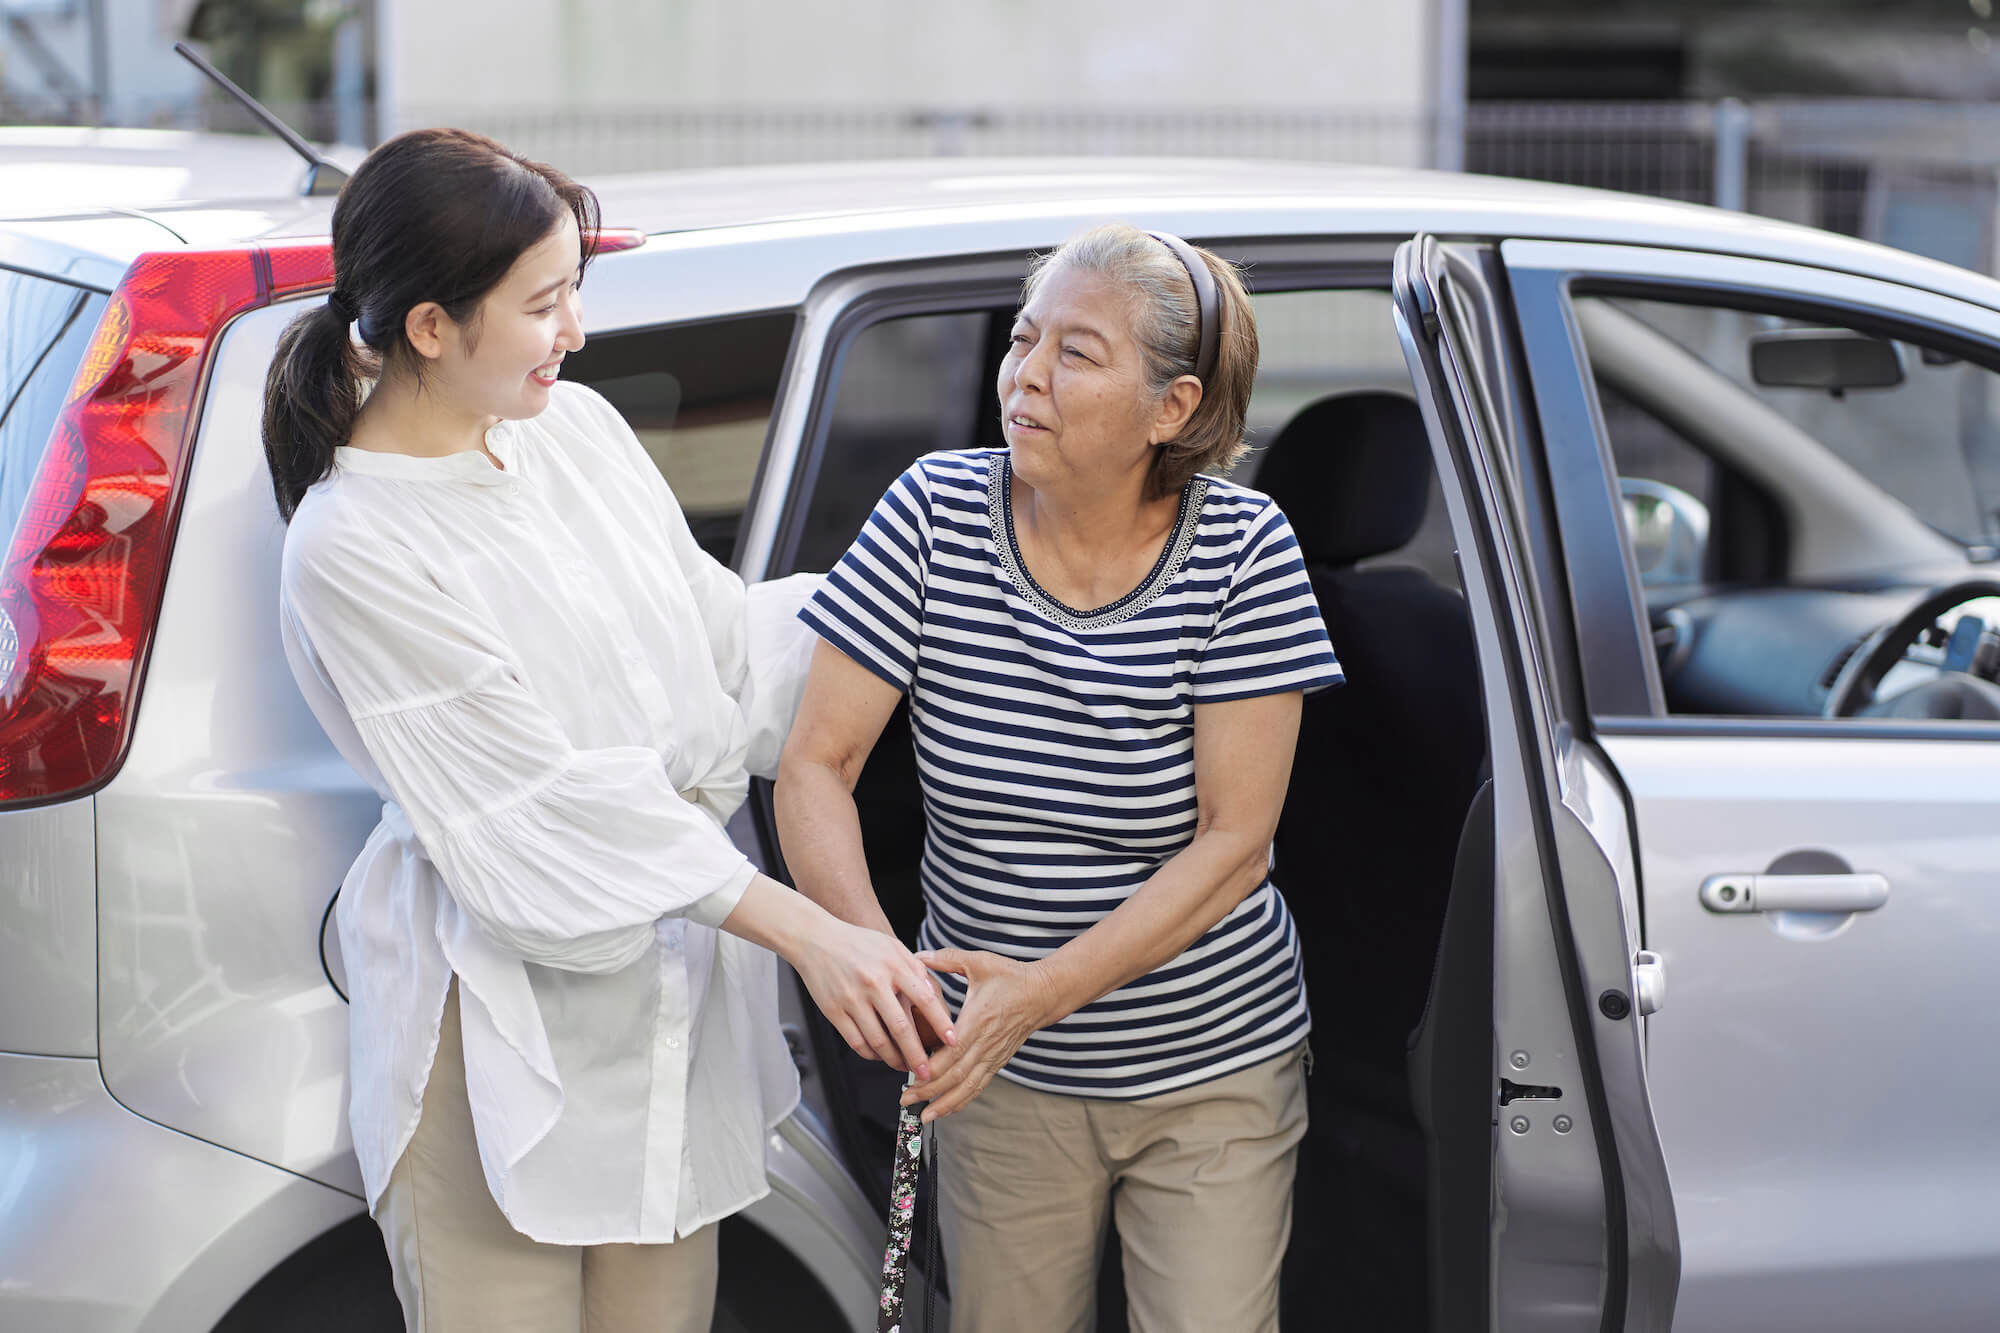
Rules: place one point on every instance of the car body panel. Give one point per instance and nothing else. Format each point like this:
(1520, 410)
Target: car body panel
(817, 1211)
(65, 168)
(1265, 198)
(48, 930)
(227, 831)
(1822, 1083)
(127, 1227)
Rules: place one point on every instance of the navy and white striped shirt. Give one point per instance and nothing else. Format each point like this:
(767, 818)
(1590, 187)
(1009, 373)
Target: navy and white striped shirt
(1056, 752)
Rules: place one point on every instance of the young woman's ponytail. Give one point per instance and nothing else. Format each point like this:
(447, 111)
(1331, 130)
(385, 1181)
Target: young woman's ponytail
(432, 215)
(310, 399)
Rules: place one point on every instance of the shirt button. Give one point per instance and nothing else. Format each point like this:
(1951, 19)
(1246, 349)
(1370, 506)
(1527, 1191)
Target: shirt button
(673, 1043)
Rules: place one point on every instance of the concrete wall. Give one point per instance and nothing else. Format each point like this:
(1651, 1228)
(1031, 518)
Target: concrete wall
(1371, 55)
(142, 73)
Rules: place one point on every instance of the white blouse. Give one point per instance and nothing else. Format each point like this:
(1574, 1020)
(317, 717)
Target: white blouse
(558, 696)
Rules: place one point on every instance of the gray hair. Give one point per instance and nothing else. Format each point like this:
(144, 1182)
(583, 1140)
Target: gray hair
(1166, 323)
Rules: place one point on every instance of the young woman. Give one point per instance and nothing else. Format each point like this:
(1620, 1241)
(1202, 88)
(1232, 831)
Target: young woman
(565, 1048)
(1105, 652)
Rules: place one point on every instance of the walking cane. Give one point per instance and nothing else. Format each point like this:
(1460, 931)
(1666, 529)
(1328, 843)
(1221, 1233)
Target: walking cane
(916, 1156)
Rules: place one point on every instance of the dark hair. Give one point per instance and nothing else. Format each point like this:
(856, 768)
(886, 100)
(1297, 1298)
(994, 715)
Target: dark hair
(1166, 320)
(431, 215)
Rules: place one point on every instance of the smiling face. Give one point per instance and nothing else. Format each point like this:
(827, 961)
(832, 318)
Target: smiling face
(504, 362)
(1075, 404)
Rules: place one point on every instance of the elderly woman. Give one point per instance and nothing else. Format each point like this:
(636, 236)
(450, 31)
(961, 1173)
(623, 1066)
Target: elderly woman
(1105, 650)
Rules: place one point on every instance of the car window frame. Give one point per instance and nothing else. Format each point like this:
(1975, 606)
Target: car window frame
(845, 303)
(1621, 678)
(793, 313)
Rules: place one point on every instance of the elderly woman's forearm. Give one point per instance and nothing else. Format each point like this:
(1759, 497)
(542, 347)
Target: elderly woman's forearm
(1183, 900)
(819, 829)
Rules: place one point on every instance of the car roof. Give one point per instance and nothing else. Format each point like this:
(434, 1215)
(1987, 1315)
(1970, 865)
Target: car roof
(85, 202)
(1223, 198)
(46, 170)
(159, 189)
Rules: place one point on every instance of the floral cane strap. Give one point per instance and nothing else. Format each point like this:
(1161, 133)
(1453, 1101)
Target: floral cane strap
(909, 1163)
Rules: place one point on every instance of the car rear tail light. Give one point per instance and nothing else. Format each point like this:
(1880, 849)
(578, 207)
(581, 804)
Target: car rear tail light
(610, 240)
(82, 576)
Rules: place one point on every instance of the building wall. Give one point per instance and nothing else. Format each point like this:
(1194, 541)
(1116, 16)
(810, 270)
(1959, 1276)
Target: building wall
(526, 54)
(142, 73)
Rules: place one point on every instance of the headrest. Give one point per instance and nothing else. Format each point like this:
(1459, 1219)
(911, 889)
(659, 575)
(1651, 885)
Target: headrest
(1353, 474)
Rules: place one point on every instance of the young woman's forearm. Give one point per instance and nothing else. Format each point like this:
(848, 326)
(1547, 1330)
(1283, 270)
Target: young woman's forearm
(1185, 898)
(771, 916)
(820, 829)
(867, 984)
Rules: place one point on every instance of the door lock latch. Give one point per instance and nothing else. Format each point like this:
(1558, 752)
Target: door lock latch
(1511, 1092)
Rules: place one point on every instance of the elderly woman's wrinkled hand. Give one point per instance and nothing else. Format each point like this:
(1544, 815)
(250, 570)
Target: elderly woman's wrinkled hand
(1006, 1002)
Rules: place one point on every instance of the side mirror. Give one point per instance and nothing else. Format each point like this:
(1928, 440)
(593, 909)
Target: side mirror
(1668, 530)
(1834, 360)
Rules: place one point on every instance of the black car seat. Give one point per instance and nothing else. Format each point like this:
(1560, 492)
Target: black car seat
(1387, 763)
(1386, 768)
(1451, 1084)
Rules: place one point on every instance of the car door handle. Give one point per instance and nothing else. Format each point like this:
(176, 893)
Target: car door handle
(1862, 892)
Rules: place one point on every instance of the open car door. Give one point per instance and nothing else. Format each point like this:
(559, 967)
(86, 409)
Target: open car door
(1551, 1208)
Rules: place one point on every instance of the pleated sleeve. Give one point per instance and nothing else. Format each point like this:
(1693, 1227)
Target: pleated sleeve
(565, 856)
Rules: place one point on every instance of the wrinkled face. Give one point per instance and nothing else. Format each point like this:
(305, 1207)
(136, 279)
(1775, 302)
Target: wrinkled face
(1074, 403)
(504, 363)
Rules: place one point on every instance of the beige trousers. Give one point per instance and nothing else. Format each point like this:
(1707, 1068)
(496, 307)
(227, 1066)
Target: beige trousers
(1198, 1182)
(460, 1268)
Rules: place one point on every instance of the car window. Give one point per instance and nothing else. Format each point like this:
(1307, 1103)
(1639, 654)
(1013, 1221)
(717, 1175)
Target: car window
(1761, 591)
(44, 328)
(907, 386)
(1643, 445)
(1931, 440)
(918, 383)
(699, 397)
(1315, 344)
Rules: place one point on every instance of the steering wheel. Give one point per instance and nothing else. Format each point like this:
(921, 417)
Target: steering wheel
(1954, 694)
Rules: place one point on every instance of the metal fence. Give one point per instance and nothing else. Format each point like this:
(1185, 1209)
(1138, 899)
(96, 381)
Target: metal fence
(1921, 175)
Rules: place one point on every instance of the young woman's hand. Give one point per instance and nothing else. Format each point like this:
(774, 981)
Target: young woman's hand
(876, 994)
(872, 989)
(1006, 1002)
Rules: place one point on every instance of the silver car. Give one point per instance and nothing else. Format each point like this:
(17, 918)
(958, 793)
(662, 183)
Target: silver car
(1648, 865)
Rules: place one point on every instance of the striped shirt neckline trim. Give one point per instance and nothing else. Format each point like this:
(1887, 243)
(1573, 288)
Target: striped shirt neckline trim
(1000, 513)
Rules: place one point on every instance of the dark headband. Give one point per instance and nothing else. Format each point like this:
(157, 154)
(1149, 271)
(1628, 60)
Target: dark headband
(1206, 298)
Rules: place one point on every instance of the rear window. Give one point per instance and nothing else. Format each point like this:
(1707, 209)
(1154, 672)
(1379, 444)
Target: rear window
(44, 328)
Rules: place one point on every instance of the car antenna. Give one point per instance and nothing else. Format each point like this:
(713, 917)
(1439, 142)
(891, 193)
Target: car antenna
(322, 176)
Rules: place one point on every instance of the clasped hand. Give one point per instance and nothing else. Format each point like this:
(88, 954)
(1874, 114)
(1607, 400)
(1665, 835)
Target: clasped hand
(875, 993)
(1006, 1002)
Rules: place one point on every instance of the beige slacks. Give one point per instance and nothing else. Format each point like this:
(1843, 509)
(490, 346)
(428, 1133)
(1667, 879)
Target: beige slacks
(461, 1268)
(1198, 1182)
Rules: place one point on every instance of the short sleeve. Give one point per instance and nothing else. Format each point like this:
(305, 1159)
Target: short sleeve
(871, 606)
(1268, 637)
